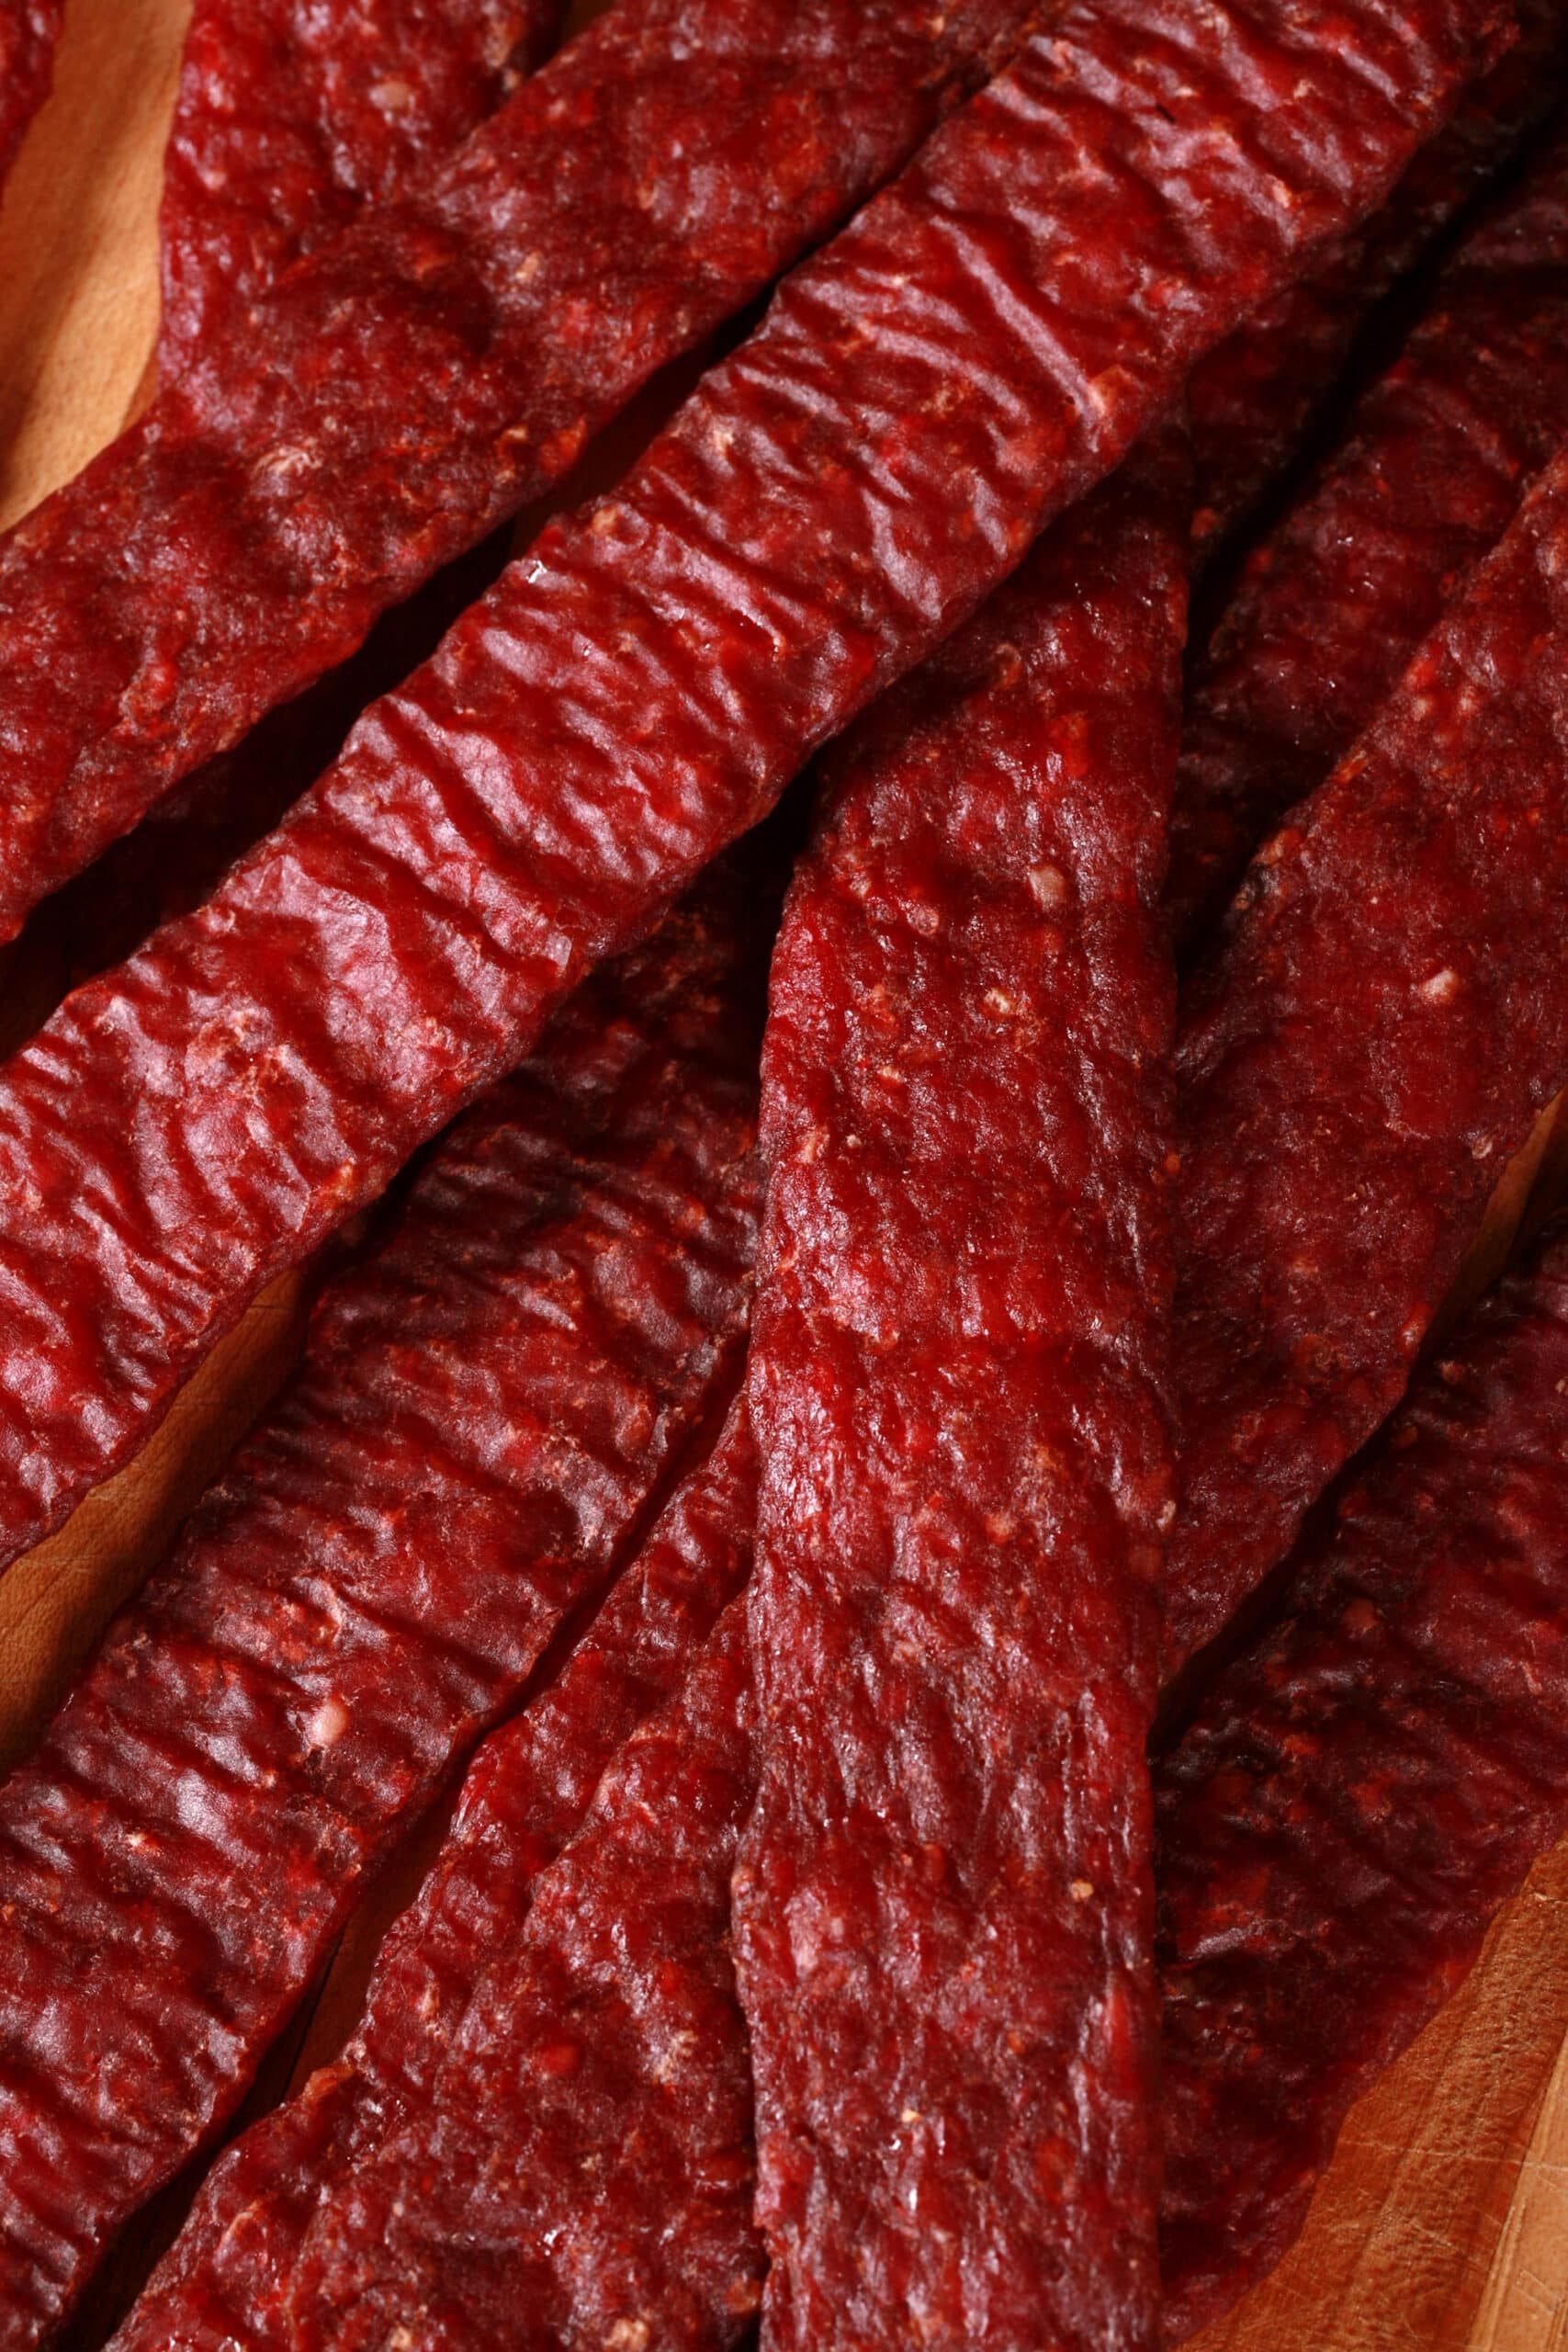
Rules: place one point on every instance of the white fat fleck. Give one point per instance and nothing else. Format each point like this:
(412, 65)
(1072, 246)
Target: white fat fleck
(1440, 987)
(1081, 1889)
(1049, 885)
(329, 1722)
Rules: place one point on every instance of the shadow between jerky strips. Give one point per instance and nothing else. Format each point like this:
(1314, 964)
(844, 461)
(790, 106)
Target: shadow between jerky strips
(409, 386)
(639, 688)
(489, 1408)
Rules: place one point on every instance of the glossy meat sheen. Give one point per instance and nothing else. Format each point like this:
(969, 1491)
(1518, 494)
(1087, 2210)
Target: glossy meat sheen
(488, 1409)
(290, 115)
(639, 687)
(415, 381)
(1363, 1788)
(943, 1898)
(584, 2173)
(1387, 1013)
(1335, 601)
(525, 1796)
(29, 31)
(1251, 401)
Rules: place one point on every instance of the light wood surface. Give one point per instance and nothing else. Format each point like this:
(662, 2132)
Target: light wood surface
(1443, 2223)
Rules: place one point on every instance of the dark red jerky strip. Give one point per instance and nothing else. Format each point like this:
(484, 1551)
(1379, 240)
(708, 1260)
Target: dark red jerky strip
(1363, 1788)
(1386, 1013)
(234, 2273)
(1337, 600)
(585, 2172)
(1252, 401)
(486, 1412)
(29, 30)
(291, 115)
(943, 1900)
(639, 688)
(415, 381)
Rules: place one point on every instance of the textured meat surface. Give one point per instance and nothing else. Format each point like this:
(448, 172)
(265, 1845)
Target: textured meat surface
(944, 1899)
(291, 116)
(1363, 1787)
(29, 31)
(1386, 1013)
(640, 686)
(235, 2271)
(488, 1409)
(1335, 601)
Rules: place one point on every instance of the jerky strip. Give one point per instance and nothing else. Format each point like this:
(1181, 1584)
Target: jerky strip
(639, 688)
(1363, 1788)
(29, 30)
(1335, 603)
(1386, 1015)
(525, 1797)
(408, 387)
(944, 1896)
(291, 116)
(486, 1410)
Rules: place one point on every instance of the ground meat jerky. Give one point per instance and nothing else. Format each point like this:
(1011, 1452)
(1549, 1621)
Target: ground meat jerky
(638, 686)
(412, 383)
(29, 31)
(290, 115)
(1387, 1013)
(487, 1410)
(525, 1797)
(944, 1899)
(1363, 1787)
(1335, 601)
(1250, 402)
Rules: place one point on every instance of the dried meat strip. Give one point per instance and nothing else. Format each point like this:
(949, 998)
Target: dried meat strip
(1337, 600)
(1386, 1014)
(1363, 1787)
(944, 1899)
(291, 116)
(236, 2272)
(486, 1411)
(640, 686)
(409, 386)
(1251, 401)
(29, 30)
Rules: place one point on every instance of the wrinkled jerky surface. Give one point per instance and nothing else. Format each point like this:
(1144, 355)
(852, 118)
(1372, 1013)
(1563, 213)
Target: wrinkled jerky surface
(1363, 1788)
(641, 685)
(488, 1409)
(956, 1379)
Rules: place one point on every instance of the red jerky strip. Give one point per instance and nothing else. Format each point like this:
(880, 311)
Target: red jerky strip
(410, 385)
(1252, 399)
(486, 1410)
(28, 32)
(1363, 1788)
(639, 688)
(526, 1794)
(1387, 1013)
(944, 1897)
(291, 115)
(1335, 603)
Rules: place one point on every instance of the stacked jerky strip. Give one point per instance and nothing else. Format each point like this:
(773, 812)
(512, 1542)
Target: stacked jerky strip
(1363, 1787)
(957, 1387)
(1335, 601)
(487, 1408)
(639, 687)
(411, 384)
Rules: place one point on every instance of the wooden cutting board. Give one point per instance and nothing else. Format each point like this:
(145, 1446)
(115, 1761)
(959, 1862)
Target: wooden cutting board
(1443, 2223)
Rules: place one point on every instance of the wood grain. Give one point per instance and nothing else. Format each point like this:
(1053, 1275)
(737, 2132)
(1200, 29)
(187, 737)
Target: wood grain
(1443, 2223)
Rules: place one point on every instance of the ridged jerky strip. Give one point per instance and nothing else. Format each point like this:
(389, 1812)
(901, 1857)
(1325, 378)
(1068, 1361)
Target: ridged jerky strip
(291, 116)
(487, 1408)
(944, 1896)
(1251, 401)
(409, 386)
(1387, 1013)
(235, 2272)
(1363, 1788)
(639, 688)
(29, 30)
(1337, 600)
